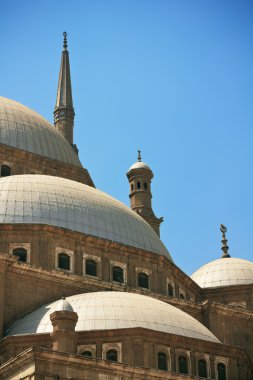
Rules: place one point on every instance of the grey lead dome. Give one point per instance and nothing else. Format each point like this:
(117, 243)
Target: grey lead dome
(41, 199)
(22, 128)
(117, 310)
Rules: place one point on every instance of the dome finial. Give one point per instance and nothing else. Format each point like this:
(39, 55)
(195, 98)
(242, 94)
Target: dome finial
(139, 155)
(224, 241)
(65, 43)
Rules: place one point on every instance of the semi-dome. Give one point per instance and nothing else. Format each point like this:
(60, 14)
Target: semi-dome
(22, 128)
(41, 199)
(117, 310)
(224, 272)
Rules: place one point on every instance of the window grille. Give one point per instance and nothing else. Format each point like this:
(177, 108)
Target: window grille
(117, 274)
(21, 253)
(143, 280)
(112, 355)
(64, 261)
(91, 268)
(221, 368)
(202, 368)
(182, 364)
(162, 361)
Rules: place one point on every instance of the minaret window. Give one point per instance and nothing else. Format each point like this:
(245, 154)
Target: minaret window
(182, 364)
(170, 290)
(202, 368)
(132, 187)
(138, 185)
(221, 369)
(143, 280)
(112, 355)
(21, 253)
(145, 186)
(91, 268)
(118, 274)
(5, 171)
(64, 261)
(162, 361)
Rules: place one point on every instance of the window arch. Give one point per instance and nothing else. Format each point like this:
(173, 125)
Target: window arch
(222, 373)
(143, 280)
(182, 364)
(5, 171)
(21, 253)
(118, 274)
(181, 296)
(87, 354)
(91, 268)
(170, 290)
(202, 368)
(63, 261)
(112, 355)
(162, 361)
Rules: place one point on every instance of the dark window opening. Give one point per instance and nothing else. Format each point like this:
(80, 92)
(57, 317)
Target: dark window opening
(182, 364)
(170, 290)
(87, 354)
(221, 368)
(5, 171)
(143, 280)
(112, 356)
(202, 367)
(132, 187)
(138, 185)
(145, 186)
(91, 268)
(162, 361)
(64, 261)
(21, 253)
(117, 274)
(181, 296)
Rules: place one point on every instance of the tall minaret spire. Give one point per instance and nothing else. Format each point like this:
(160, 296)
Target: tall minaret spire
(64, 111)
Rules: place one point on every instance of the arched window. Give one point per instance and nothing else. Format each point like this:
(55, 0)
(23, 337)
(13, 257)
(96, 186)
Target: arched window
(5, 171)
(181, 296)
(202, 368)
(112, 355)
(162, 361)
(138, 185)
(170, 290)
(21, 253)
(143, 280)
(221, 369)
(117, 274)
(145, 186)
(87, 354)
(91, 267)
(182, 364)
(64, 261)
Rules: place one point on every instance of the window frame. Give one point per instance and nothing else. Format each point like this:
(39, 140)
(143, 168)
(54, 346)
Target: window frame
(68, 252)
(26, 246)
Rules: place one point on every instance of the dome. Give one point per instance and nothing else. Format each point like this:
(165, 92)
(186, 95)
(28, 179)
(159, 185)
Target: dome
(224, 272)
(22, 128)
(60, 202)
(63, 305)
(139, 165)
(117, 310)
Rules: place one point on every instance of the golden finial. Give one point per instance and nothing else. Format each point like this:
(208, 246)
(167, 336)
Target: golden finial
(139, 155)
(224, 247)
(65, 43)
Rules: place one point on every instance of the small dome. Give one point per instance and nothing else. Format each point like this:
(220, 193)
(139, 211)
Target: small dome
(139, 165)
(117, 310)
(60, 202)
(224, 272)
(63, 305)
(22, 128)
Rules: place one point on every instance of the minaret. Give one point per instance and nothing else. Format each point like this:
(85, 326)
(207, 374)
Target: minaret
(64, 111)
(139, 176)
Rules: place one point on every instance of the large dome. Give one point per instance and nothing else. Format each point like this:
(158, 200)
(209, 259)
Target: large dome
(41, 199)
(224, 272)
(117, 310)
(22, 128)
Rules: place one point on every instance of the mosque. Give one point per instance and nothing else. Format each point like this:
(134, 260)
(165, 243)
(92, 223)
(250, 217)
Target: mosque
(88, 291)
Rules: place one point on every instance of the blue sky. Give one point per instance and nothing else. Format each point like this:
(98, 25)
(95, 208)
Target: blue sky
(172, 78)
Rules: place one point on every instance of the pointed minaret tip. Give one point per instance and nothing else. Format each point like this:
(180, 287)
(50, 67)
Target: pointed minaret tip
(224, 247)
(65, 42)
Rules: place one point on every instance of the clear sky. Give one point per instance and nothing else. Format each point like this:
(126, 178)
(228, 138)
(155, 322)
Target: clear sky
(172, 78)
